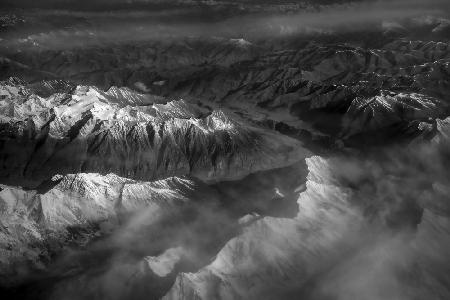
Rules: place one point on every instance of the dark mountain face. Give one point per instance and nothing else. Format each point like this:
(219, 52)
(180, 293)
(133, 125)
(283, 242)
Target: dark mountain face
(225, 150)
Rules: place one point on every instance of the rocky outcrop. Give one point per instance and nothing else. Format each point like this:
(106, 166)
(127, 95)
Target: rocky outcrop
(154, 164)
(328, 240)
(76, 208)
(131, 135)
(383, 111)
(316, 87)
(273, 255)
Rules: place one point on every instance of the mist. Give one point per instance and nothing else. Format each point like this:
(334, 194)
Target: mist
(393, 232)
(125, 26)
(402, 194)
(366, 215)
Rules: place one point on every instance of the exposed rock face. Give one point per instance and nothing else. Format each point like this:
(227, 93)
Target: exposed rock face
(375, 113)
(274, 257)
(129, 134)
(149, 62)
(273, 254)
(145, 159)
(76, 208)
(294, 82)
(320, 85)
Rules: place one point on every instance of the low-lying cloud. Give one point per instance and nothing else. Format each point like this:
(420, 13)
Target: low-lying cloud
(77, 29)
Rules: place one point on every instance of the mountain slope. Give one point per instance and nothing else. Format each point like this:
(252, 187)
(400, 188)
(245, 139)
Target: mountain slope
(94, 131)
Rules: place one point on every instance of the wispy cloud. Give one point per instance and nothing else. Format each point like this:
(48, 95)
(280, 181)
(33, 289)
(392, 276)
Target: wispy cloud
(124, 26)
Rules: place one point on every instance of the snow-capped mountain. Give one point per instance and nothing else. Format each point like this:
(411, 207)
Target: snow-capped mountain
(224, 150)
(132, 135)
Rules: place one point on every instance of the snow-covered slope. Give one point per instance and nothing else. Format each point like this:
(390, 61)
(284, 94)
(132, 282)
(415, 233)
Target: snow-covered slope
(130, 135)
(326, 250)
(36, 224)
(143, 162)
(274, 254)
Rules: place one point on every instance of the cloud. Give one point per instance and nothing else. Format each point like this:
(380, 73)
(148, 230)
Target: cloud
(126, 26)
